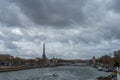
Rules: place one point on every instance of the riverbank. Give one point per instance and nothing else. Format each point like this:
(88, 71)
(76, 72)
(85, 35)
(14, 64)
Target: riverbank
(16, 68)
(113, 73)
(104, 78)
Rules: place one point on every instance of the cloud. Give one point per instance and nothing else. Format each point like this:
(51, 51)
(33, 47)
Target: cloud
(70, 29)
(17, 31)
(115, 6)
(53, 12)
(8, 14)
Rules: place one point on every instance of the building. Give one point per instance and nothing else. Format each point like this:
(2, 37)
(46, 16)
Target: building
(94, 60)
(44, 55)
(45, 60)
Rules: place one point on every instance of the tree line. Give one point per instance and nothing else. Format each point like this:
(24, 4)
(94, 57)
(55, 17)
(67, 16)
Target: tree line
(112, 60)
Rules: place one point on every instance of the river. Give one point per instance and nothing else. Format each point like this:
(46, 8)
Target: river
(65, 73)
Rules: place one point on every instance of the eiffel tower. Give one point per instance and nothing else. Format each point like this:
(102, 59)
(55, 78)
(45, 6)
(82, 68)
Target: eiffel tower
(44, 55)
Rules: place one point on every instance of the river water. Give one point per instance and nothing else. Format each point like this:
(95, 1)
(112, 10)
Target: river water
(65, 73)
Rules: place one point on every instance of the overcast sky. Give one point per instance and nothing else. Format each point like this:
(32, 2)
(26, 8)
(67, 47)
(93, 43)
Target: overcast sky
(70, 28)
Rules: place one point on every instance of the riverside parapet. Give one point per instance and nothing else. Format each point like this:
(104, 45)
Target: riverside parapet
(16, 68)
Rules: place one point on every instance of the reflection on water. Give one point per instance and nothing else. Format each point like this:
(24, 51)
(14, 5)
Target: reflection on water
(65, 73)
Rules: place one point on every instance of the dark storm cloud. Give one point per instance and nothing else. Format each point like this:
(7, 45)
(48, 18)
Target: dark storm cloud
(53, 12)
(9, 19)
(113, 32)
(116, 5)
(8, 14)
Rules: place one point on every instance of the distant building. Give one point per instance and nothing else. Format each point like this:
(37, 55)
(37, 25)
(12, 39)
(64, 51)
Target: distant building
(94, 59)
(6, 60)
(44, 58)
(44, 55)
(54, 60)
